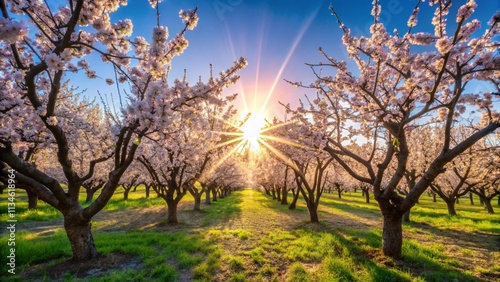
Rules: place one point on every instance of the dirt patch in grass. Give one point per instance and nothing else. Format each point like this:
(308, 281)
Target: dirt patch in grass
(92, 269)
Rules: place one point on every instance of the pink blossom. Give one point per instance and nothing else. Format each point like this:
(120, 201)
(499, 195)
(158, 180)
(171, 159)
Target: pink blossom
(124, 28)
(52, 120)
(465, 11)
(90, 74)
(443, 45)
(23, 147)
(189, 18)
(54, 62)
(160, 34)
(83, 64)
(41, 111)
(11, 31)
(153, 3)
(421, 38)
(72, 68)
(495, 18)
(412, 21)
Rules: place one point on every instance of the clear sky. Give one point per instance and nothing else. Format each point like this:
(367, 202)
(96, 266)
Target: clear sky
(277, 37)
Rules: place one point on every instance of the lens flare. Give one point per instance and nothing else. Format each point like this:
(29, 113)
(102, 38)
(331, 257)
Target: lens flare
(251, 131)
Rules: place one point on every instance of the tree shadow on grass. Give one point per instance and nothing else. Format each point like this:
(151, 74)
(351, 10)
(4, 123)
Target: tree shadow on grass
(475, 240)
(365, 246)
(418, 260)
(222, 210)
(131, 256)
(353, 208)
(155, 217)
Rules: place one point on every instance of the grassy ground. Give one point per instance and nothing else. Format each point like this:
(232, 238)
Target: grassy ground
(249, 237)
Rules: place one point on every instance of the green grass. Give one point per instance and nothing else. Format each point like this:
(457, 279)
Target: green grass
(238, 277)
(471, 218)
(298, 273)
(204, 271)
(155, 249)
(222, 210)
(257, 256)
(336, 257)
(163, 255)
(46, 212)
(299, 252)
(354, 246)
(235, 263)
(242, 234)
(32, 249)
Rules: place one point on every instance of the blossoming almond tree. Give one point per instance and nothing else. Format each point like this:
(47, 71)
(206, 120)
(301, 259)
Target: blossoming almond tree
(217, 125)
(464, 172)
(487, 167)
(175, 154)
(309, 164)
(271, 174)
(229, 175)
(32, 66)
(397, 88)
(422, 150)
(133, 178)
(87, 128)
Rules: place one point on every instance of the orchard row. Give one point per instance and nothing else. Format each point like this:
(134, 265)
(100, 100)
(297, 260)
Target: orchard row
(393, 117)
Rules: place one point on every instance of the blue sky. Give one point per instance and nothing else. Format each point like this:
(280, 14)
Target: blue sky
(277, 37)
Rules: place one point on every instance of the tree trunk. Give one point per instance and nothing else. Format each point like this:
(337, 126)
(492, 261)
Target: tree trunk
(392, 235)
(313, 212)
(207, 197)
(32, 200)
(284, 196)
(433, 197)
(471, 198)
(125, 195)
(340, 194)
(172, 212)
(367, 196)
(90, 194)
(214, 195)
(147, 191)
(293, 204)
(80, 237)
(451, 207)
(498, 199)
(406, 216)
(489, 207)
(274, 194)
(197, 201)
(457, 201)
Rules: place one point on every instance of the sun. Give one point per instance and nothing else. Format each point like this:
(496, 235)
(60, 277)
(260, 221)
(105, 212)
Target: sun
(252, 129)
